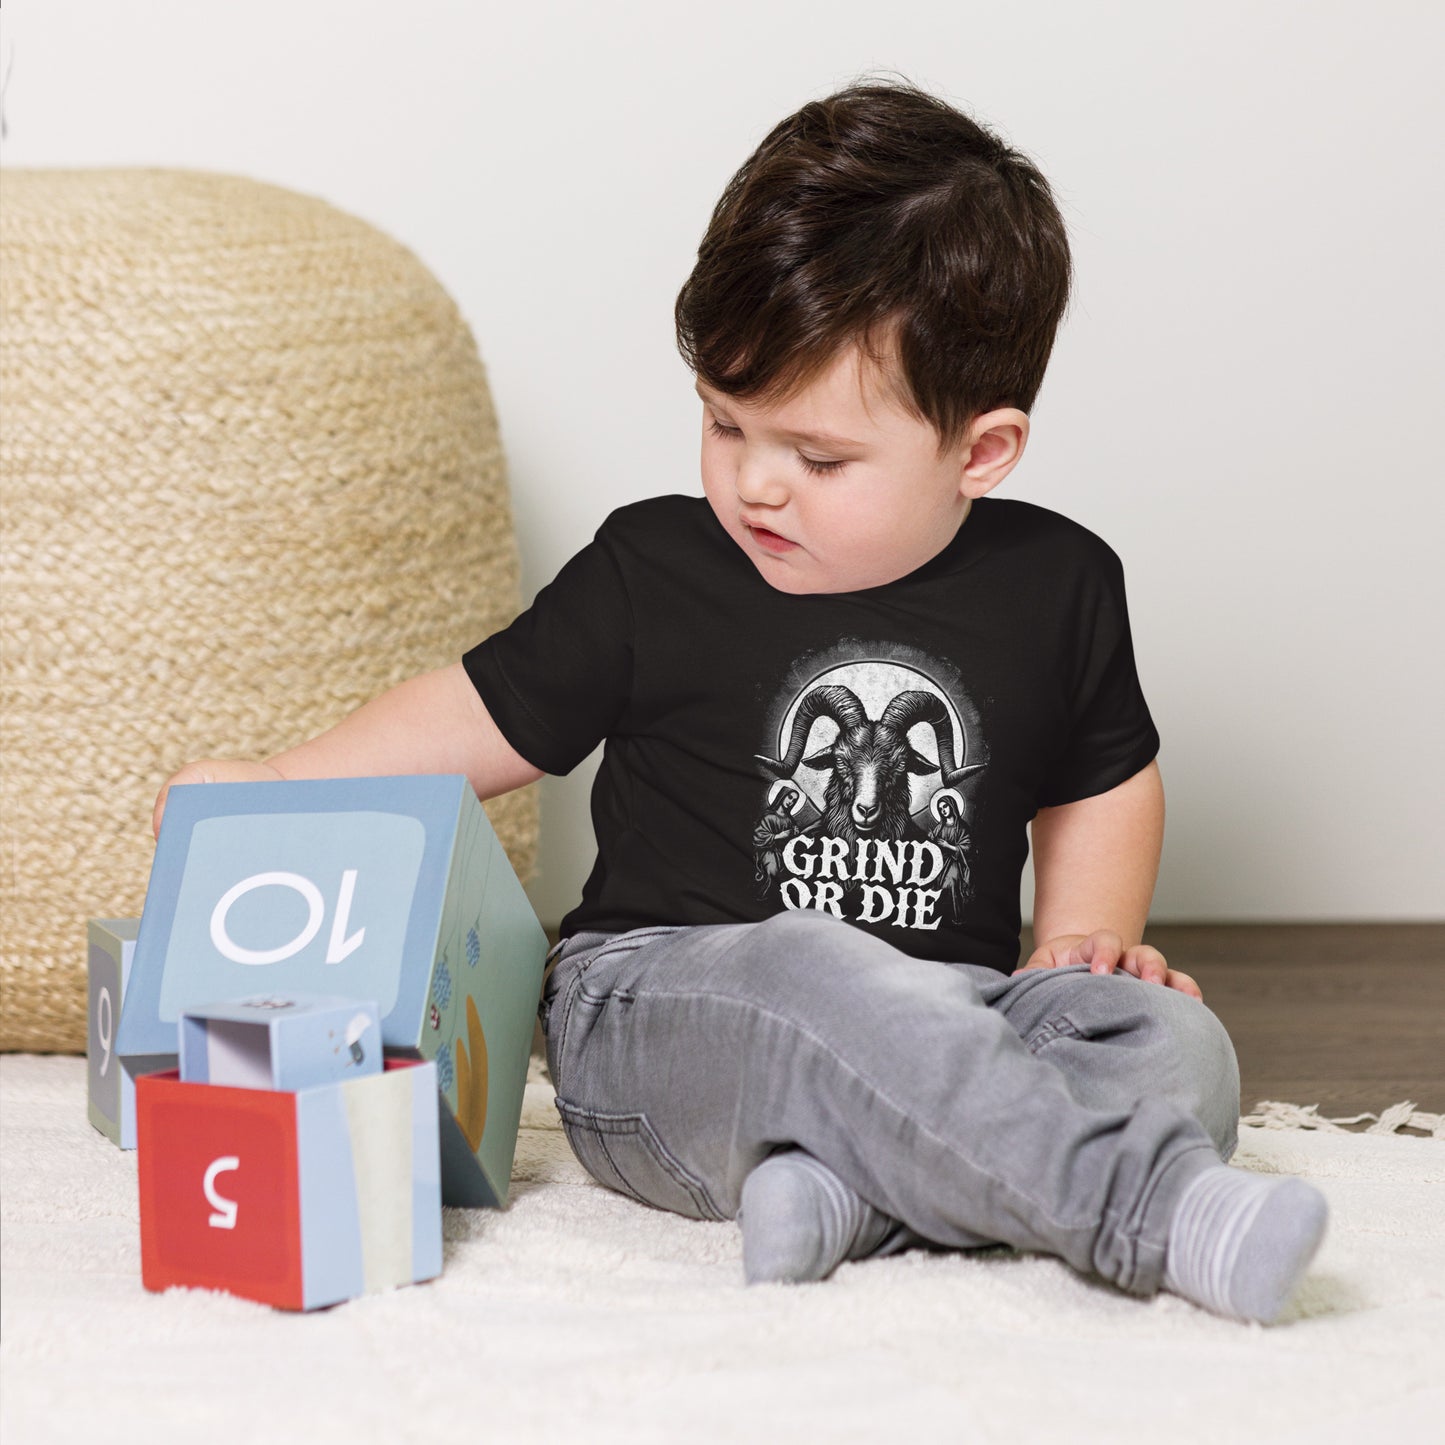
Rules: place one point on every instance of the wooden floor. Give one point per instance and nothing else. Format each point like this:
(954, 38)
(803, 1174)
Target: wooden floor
(1347, 1016)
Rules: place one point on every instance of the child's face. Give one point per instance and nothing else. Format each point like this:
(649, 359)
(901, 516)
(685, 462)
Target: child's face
(884, 501)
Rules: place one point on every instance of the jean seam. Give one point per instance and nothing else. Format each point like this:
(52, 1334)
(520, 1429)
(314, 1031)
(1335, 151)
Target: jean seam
(622, 1185)
(1051, 1029)
(633, 939)
(621, 1177)
(636, 1124)
(606, 950)
(880, 1093)
(575, 988)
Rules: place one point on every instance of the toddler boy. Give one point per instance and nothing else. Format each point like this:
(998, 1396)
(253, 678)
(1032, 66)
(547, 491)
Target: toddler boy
(835, 692)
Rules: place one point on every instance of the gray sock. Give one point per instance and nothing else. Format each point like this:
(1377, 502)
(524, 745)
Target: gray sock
(800, 1221)
(1239, 1243)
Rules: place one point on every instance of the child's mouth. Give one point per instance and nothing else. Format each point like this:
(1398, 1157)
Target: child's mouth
(770, 541)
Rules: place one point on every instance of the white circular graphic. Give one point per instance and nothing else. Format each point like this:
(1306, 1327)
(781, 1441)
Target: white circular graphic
(875, 683)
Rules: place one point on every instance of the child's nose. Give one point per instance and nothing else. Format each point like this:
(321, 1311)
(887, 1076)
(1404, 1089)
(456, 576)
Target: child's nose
(759, 484)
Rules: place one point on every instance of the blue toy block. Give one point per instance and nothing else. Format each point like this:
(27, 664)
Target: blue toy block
(291, 1042)
(390, 889)
(111, 1106)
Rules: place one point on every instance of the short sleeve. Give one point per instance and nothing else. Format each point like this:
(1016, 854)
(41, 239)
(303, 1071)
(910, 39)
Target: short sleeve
(557, 679)
(1111, 734)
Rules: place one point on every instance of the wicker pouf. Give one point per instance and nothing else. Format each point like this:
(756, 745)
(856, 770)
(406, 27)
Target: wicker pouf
(251, 477)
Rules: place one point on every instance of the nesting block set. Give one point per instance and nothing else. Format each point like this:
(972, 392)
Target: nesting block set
(283, 1162)
(329, 1002)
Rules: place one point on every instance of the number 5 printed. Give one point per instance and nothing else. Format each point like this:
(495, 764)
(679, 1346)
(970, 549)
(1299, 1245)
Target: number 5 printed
(225, 1215)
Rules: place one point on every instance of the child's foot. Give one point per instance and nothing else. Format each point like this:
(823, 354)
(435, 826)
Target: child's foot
(800, 1221)
(1240, 1243)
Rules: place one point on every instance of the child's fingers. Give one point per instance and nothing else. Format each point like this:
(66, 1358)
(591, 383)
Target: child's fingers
(191, 773)
(1101, 950)
(1146, 963)
(1057, 953)
(211, 770)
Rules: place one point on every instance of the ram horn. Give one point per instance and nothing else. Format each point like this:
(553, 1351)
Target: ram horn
(839, 703)
(910, 708)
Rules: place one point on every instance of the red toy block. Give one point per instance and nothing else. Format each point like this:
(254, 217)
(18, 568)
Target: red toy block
(220, 1200)
(297, 1199)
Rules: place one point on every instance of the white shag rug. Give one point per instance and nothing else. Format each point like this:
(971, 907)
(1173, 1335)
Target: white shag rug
(578, 1315)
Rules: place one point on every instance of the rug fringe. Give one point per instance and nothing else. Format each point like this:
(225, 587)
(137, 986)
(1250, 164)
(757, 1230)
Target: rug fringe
(1271, 1114)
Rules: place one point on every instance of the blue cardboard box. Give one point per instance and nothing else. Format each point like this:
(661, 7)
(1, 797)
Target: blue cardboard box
(283, 1042)
(393, 889)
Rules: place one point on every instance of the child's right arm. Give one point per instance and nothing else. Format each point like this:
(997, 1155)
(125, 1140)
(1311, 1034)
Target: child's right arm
(435, 723)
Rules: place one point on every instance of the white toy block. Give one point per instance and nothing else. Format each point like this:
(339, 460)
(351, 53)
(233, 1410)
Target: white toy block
(283, 1042)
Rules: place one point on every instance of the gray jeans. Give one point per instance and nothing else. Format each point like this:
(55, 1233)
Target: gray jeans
(1054, 1110)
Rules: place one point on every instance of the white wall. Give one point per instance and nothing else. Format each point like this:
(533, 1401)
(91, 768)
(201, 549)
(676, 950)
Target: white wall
(1243, 400)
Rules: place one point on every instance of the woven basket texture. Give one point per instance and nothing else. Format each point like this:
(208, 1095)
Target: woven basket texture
(250, 476)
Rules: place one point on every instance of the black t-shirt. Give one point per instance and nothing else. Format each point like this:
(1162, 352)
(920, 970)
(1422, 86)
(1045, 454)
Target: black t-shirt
(877, 753)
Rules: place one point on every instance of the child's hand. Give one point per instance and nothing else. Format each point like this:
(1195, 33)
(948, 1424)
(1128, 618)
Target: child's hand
(1104, 951)
(213, 770)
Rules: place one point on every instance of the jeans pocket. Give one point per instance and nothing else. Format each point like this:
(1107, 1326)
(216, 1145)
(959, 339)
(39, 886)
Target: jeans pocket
(623, 1152)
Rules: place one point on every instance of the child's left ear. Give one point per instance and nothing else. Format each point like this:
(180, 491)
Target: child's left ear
(993, 448)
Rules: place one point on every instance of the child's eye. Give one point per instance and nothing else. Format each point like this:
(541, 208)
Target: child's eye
(719, 430)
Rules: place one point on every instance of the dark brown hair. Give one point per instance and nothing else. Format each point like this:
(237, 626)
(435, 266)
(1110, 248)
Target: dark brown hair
(884, 217)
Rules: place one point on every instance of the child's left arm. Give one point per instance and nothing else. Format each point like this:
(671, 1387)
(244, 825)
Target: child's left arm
(1095, 863)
